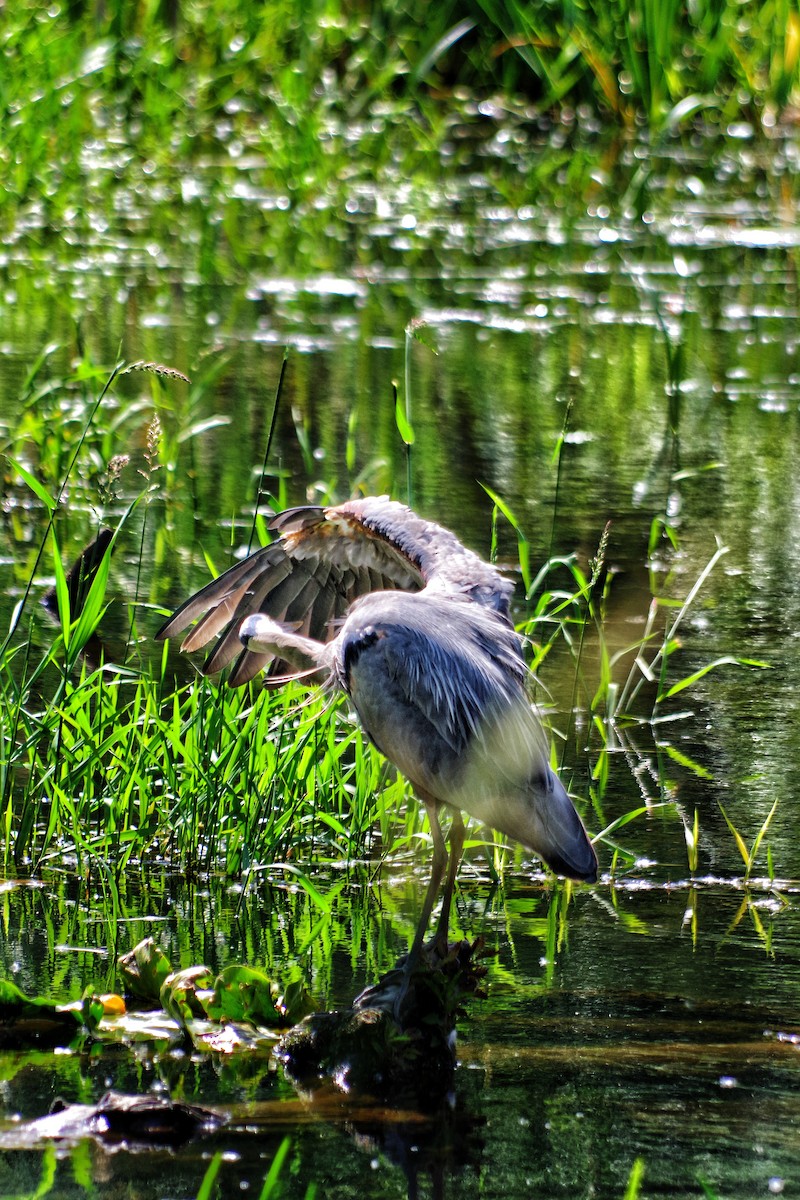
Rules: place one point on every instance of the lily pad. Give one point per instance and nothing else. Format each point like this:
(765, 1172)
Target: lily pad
(185, 994)
(144, 969)
(32, 1020)
(244, 994)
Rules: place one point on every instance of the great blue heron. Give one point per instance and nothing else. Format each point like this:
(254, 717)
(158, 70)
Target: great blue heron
(415, 628)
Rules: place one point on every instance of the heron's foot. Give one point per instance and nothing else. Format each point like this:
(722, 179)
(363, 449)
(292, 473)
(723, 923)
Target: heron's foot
(394, 991)
(428, 986)
(397, 1040)
(398, 1036)
(398, 993)
(438, 949)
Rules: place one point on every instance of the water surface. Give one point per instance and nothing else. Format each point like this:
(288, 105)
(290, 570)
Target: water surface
(661, 1028)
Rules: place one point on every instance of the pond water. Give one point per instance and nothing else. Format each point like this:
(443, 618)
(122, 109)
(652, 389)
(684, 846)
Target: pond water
(654, 1033)
(662, 1029)
(656, 322)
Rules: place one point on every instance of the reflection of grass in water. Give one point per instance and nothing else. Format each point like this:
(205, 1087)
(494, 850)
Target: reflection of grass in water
(614, 690)
(620, 690)
(273, 1180)
(320, 106)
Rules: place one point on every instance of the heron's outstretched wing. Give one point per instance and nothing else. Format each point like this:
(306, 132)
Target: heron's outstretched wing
(323, 559)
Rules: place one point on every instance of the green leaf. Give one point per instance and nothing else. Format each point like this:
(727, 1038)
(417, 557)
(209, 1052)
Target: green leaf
(93, 607)
(633, 1189)
(404, 426)
(737, 837)
(444, 43)
(91, 1009)
(692, 836)
(726, 660)
(627, 817)
(685, 761)
(304, 882)
(33, 484)
(244, 994)
(504, 508)
(295, 1003)
(523, 545)
(273, 1174)
(206, 1189)
(62, 592)
(760, 835)
(31, 1020)
(180, 993)
(688, 107)
(47, 1179)
(199, 427)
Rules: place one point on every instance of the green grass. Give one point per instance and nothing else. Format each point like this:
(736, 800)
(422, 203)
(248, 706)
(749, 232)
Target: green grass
(219, 57)
(635, 1179)
(616, 693)
(272, 1185)
(120, 765)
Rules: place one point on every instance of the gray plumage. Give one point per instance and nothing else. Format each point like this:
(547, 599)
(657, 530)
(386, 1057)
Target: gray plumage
(415, 628)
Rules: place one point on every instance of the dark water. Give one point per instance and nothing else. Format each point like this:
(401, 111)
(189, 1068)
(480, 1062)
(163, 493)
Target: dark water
(658, 319)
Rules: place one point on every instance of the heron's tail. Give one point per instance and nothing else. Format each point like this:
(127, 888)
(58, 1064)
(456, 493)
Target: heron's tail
(507, 781)
(536, 811)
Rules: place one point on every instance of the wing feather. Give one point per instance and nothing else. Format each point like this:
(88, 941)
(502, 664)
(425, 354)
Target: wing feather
(322, 613)
(323, 560)
(271, 559)
(214, 621)
(247, 666)
(261, 597)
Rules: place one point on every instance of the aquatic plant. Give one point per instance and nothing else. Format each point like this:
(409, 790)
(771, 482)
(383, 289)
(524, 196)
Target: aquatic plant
(645, 54)
(635, 1179)
(282, 819)
(749, 854)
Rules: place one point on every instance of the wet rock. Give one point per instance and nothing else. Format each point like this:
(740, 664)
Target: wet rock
(369, 1049)
(119, 1119)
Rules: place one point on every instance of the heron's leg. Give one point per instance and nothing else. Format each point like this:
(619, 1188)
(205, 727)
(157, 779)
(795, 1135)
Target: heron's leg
(457, 835)
(437, 871)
